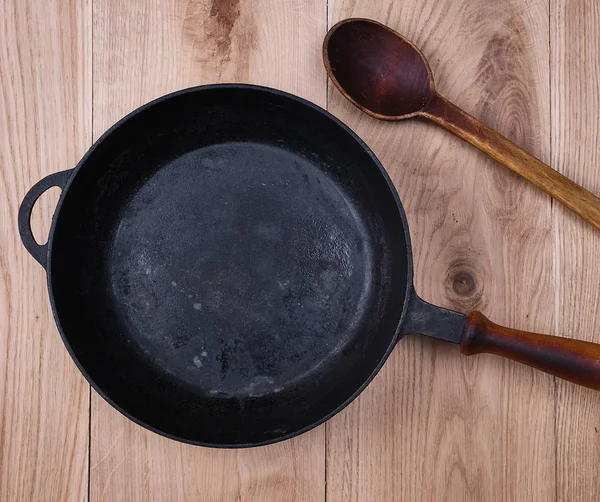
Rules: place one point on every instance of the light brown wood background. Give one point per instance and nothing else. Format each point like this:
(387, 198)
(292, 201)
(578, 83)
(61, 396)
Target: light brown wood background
(434, 425)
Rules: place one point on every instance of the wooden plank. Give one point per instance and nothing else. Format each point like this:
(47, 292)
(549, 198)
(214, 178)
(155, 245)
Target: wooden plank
(435, 425)
(142, 50)
(45, 126)
(575, 38)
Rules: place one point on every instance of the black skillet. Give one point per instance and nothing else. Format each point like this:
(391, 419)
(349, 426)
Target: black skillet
(230, 266)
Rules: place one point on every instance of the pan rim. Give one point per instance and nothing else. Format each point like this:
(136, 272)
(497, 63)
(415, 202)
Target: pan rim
(233, 87)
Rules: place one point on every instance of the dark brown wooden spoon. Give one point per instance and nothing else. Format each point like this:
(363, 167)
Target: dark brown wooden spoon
(388, 77)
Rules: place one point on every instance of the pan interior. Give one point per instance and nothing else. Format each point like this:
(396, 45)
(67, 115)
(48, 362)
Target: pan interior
(229, 266)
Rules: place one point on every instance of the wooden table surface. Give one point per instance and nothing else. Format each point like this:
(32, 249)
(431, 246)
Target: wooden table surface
(433, 425)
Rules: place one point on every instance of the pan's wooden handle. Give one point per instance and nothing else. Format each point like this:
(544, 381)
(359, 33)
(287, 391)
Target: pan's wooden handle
(450, 117)
(573, 360)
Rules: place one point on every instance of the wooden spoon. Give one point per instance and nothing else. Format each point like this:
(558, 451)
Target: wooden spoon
(387, 76)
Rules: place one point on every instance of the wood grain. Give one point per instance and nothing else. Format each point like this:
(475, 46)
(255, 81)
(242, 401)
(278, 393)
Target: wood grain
(45, 126)
(142, 50)
(435, 425)
(575, 37)
(579, 200)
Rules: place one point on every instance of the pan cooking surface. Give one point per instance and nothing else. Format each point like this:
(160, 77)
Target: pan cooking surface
(229, 266)
(240, 268)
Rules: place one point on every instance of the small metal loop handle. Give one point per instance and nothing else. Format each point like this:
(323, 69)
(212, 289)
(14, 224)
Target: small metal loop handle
(39, 252)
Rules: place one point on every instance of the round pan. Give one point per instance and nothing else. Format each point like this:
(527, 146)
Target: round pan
(230, 265)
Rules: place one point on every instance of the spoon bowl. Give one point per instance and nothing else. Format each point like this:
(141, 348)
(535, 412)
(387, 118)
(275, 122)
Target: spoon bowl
(377, 69)
(388, 77)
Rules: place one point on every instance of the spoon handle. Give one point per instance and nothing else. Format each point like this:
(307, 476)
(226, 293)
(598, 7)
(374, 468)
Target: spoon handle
(450, 117)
